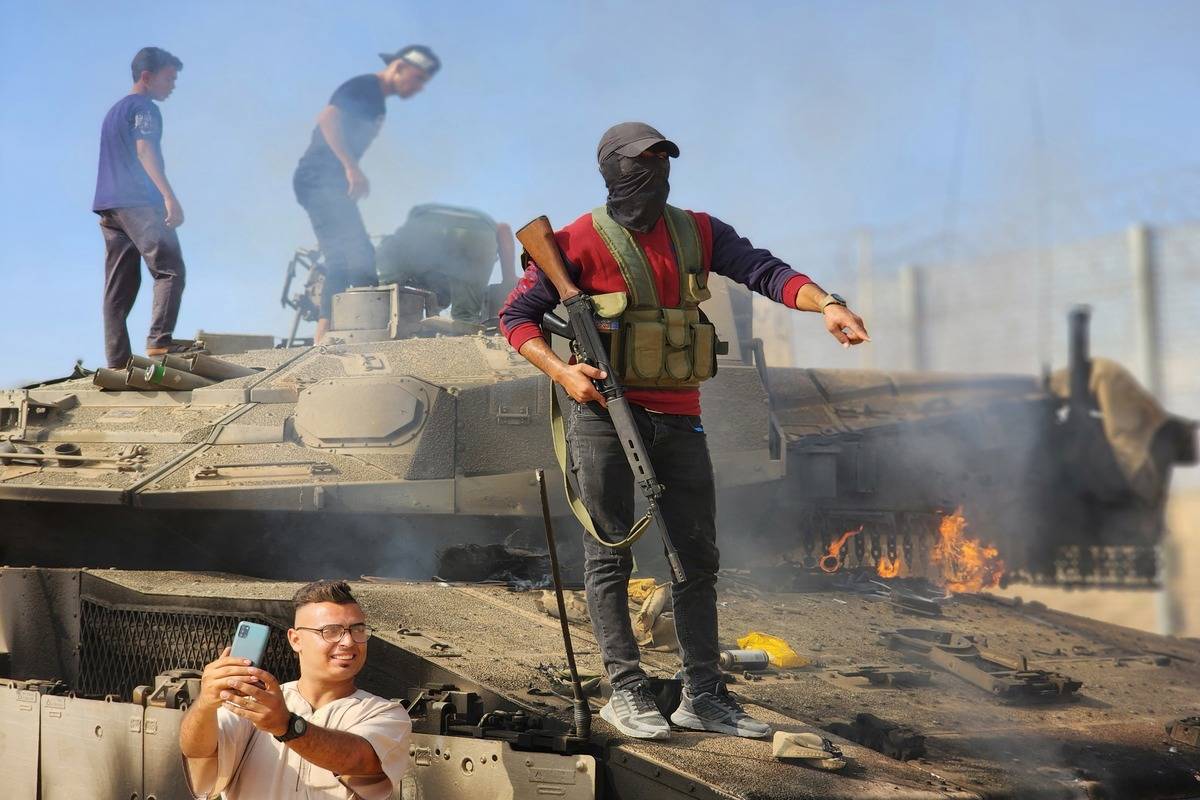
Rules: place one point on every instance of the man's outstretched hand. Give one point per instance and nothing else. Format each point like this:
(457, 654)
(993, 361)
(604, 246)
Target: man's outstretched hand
(844, 325)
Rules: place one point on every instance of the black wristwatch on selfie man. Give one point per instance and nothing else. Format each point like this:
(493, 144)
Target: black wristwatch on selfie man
(297, 727)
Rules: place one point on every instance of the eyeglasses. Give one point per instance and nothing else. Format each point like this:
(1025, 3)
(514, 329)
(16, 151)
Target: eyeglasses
(359, 632)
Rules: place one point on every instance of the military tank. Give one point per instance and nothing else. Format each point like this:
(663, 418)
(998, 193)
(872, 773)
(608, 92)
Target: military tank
(404, 435)
(165, 502)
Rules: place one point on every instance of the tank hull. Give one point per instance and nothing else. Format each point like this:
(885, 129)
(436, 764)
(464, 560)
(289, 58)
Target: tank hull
(118, 630)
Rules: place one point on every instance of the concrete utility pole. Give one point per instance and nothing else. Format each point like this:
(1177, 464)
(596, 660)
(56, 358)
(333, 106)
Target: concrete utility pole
(911, 304)
(1145, 308)
(1146, 326)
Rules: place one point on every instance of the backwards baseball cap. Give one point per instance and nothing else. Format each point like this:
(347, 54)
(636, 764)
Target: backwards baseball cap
(418, 55)
(630, 139)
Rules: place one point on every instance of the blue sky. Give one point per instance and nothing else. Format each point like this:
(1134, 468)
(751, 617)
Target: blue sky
(797, 121)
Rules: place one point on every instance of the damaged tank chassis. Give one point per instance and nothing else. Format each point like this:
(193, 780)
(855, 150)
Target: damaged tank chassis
(407, 435)
(400, 437)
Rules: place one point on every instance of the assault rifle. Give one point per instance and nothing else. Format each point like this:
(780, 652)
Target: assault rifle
(538, 239)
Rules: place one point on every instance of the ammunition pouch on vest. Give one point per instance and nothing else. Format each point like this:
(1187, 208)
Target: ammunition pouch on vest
(650, 345)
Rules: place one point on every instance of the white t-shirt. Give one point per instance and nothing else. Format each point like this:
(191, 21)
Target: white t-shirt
(253, 765)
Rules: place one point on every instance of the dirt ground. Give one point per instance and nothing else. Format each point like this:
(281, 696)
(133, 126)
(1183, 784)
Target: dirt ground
(1144, 610)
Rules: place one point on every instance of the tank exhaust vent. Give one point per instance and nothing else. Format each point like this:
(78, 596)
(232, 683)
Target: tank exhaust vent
(126, 647)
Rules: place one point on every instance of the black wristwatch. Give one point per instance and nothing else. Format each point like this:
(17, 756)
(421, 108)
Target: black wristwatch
(297, 727)
(832, 299)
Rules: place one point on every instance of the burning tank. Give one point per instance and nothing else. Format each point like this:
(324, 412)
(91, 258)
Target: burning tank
(404, 437)
(862, 513)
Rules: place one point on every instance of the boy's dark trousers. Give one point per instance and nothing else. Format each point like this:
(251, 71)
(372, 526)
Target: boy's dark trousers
(131, 235)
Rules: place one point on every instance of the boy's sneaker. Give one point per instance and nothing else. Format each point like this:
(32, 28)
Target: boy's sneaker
(718, 712)
(633, 712)
(177, 346)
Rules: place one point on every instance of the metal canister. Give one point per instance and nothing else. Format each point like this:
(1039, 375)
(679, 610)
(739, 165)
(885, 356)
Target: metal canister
(215, 369)
(752, 660)
(140, 362)
(170, 378)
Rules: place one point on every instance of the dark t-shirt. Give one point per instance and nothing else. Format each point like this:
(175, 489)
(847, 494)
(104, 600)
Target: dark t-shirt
(360, 101)
(121, 181)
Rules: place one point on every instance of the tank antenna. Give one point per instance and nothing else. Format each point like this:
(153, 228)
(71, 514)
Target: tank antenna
(583, 711)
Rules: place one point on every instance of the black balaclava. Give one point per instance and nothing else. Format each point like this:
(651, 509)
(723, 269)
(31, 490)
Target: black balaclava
(637, 189)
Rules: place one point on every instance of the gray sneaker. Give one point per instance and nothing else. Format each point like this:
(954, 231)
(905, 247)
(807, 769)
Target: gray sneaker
(718, 712)
(633, 712)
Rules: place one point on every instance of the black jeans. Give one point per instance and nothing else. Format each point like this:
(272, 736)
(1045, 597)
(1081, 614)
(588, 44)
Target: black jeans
(679, 453)
(130, 235)
(342, 237)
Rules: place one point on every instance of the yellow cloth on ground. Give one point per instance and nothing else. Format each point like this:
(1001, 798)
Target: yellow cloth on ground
(640, 589)
(780, 652)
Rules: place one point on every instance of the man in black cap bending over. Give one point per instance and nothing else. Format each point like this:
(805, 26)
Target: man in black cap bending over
(328, 179)
(659, 257)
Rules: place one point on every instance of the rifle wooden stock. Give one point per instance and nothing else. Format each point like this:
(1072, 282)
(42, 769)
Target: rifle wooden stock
(538, 240)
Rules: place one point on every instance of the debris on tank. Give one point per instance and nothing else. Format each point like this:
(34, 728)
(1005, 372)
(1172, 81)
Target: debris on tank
(883, 736)
(888, 676)
(576, 603)
(641, 588)
(654, 621)
(780, 653)
(194, 370)
(493, 562)
(807, 748)
(1185, 731)
(558, 677)
(744, 660)
(1007, 678)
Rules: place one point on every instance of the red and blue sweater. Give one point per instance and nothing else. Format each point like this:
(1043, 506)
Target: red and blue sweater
(595, 271)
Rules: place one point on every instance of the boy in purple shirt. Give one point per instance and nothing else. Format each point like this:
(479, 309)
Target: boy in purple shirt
(138, 210)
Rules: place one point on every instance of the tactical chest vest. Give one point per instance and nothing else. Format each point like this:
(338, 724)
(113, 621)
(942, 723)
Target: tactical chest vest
(651, 345)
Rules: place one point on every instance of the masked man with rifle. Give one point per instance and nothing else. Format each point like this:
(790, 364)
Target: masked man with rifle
(644, 265)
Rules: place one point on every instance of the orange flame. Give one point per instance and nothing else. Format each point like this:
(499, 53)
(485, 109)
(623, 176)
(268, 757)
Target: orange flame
(830, 561)
(887, 568)
(966, 564)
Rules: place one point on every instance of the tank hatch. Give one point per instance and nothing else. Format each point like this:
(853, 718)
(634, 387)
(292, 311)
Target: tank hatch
(361, 411)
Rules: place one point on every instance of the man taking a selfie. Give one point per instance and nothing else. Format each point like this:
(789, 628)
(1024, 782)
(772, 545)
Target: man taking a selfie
(250, 737)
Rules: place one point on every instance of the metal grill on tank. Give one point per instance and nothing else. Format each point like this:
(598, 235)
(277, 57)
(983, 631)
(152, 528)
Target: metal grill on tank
(125, 647)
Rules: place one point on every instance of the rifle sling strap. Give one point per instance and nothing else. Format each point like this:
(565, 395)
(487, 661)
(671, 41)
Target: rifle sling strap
(558, 431)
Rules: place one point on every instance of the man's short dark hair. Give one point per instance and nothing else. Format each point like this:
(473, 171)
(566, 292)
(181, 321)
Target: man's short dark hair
(323, 592)
(152, 59)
